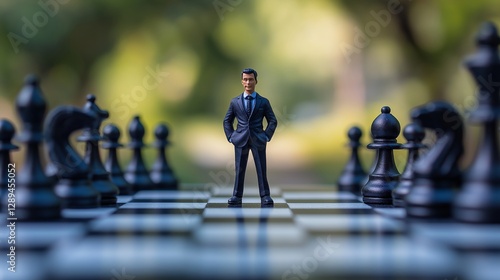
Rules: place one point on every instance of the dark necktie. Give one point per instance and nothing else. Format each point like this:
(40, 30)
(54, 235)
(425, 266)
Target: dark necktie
(249, 99)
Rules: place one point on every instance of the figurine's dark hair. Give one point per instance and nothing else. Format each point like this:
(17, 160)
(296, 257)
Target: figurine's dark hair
(249, 71)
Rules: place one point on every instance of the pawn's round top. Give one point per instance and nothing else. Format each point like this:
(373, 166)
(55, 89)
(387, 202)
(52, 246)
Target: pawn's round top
(354, 133)
(7, 131)
(385, 127)
(111, 135)
(414, 134)
(161, 132)
(111, 132)
(161, 135)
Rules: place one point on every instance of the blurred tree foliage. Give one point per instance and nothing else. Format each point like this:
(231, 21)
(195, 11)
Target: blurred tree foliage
(180, 61)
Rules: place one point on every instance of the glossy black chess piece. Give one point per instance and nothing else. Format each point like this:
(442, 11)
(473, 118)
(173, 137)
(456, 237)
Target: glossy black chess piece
(414, 134)
(161, 173)
(7, 167)
(437, 174)
(136, 174)
(73, 185)
(353, 176)
(91, 136)
(384, 178)
(112, 135)
(479, 198)
(35, 197)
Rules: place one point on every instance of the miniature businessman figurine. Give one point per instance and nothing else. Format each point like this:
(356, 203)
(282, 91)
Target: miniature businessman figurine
(250, 109)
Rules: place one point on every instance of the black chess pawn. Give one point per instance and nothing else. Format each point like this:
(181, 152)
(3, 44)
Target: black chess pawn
(136, 174)
(384, 178)
(35, 197)
(7, 167)
(112, 134)
(72, 185)
(98, 174)
(161, 173)
(437, 175)
(479, 198)
(353, 176)
(414, 134)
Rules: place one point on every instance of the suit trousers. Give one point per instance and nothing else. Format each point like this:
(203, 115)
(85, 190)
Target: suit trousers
(241, 160)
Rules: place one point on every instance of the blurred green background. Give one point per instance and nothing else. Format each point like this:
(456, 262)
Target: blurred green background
(324, 65)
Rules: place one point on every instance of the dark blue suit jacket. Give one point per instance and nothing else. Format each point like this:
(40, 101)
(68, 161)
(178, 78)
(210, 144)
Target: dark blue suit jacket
(250, 127)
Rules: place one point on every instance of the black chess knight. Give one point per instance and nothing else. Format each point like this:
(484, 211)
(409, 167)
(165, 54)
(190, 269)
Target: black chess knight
(437, 174)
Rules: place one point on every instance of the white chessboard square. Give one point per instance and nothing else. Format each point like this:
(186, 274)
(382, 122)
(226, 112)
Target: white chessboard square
(347, 205)
(223, 200)
(146, 223)
(247, 213)
(164, 205)
(250, 235)
(172, 194)
(318, 195)
(348, 223)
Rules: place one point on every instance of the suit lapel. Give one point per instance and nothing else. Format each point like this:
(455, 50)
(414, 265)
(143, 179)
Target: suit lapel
(240, 103)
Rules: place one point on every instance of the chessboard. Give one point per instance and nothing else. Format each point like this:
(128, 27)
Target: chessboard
(312, 232)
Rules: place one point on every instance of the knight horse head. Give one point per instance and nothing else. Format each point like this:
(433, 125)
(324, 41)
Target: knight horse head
(442, 159)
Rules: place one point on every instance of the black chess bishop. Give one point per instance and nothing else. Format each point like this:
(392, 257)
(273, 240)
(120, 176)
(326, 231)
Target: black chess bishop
(136, 174)
(385, 176)
(35, 197)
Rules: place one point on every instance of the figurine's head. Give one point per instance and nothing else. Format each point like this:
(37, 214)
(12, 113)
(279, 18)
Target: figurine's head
(249, 79)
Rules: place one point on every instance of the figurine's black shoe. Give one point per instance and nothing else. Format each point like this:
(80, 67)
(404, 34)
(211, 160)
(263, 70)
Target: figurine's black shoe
(234, 200)
(266, 201)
